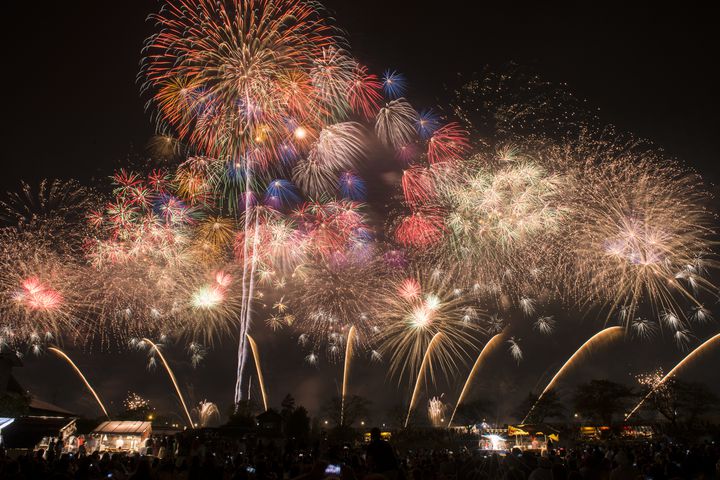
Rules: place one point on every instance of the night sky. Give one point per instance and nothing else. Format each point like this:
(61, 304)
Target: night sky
(72, 108)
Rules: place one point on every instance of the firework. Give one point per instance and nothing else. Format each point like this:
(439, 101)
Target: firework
(346, 369)
(206, 412)
(515, 350)
(258, 368)
(425, 364)
(64, 356)
(639, 235)
(602, 337)
(394, 84)
(544, 325)
(489, 347)
(224, 75)
(395, 123)
(436, 410)
(39, 289)
(427, 123)
(643, 327)
(707, 344)
(155, 349)
(333, 298)
(352, 186)
(364, 93)
(446, 144)
(417, 309)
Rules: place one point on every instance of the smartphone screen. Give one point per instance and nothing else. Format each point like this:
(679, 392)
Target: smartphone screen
(332, 469)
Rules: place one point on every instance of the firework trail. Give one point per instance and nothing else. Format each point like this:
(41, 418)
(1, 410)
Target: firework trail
(256, 357)
(424, 365)
(688, 358)
(486, 351)
(603, 336)
(64, 356)
(172, 377)
(346, 370)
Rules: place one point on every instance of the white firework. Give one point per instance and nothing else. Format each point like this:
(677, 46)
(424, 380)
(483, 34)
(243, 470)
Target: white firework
(643, 327)
(515, 349)
(545, 325)
(527, 305)
(701, 315)
(395, 123)
(670, 319)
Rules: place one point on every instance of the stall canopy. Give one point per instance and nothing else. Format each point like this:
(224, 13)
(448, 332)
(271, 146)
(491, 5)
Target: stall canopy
(538, 429)
(116, 427)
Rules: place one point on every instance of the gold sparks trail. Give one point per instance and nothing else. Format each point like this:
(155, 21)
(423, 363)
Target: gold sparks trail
(346, 370)
(174, 381)
(62, 354)
(256, 357)
(421, 374)
(688, 358)
(487, 350)
(605, 335)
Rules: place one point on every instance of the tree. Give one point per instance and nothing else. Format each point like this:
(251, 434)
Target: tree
(355, 408)
(297, 424)
(538, 410)
(396, 415)
(287, 407)
(243, 413)
(474, 412)
(601, 399)
(679, 401)
(696, 400)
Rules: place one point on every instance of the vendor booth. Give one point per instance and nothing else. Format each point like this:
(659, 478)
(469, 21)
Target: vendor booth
(532, 436)
(120, 436)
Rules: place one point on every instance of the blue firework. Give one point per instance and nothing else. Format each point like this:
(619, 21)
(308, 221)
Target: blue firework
(427, 123)
(280, 193)
(394, 84)
(352, 186)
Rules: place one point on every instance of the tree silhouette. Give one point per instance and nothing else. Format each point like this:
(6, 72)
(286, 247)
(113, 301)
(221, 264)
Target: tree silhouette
(601, 400)
(537, 411)
(355, 408)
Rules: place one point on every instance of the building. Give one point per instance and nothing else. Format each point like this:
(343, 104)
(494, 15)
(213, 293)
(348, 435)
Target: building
(28, 423)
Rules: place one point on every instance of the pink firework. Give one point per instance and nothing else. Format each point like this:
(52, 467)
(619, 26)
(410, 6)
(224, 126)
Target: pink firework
(37, 296)
(409, 289)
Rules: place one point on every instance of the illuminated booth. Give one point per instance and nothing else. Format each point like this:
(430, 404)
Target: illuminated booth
(120, 436)
(532, 436)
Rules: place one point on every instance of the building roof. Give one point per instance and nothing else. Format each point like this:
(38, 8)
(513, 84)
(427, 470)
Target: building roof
(123, 427)
(41, 407)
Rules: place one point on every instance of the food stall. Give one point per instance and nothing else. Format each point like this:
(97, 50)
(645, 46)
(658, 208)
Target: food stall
(532, 436)
(120, 436)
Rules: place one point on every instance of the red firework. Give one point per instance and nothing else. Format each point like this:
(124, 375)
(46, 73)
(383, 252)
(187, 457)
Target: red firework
(448, 144)
(418, 186)
(364, 95)
(420, 230)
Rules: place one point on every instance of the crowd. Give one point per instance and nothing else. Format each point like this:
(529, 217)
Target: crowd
(187, 456)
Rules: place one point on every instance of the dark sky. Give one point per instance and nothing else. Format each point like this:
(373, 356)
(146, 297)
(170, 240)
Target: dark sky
(72, 109)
